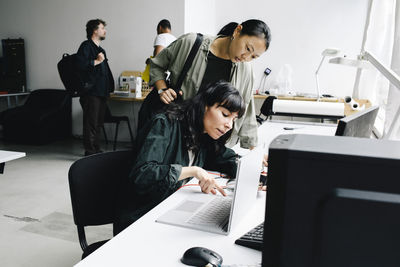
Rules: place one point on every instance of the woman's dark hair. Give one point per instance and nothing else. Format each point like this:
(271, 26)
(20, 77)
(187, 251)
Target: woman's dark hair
(93, 25)
(192, 111)
(228, 29)
(251, 27)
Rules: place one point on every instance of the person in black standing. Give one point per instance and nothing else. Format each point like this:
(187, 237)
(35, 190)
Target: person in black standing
(96, 73)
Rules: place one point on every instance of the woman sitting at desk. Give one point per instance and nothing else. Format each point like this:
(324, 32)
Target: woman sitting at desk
(178, 145)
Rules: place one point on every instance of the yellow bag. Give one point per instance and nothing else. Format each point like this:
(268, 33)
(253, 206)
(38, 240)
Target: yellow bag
(146, 73)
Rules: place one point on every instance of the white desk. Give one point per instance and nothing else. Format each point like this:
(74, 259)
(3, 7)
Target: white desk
(271, 129)
(16, 95)
(147, 243)
(7, 156)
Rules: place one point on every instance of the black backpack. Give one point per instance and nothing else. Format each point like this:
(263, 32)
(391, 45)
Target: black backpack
(71, 77)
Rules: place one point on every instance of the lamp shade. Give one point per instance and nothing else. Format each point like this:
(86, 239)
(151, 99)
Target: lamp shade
(330, 52)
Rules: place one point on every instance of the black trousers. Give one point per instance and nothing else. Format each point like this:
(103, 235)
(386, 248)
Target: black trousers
(93, 118)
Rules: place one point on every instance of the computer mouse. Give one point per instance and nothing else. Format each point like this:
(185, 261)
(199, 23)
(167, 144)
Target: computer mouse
(199, 256)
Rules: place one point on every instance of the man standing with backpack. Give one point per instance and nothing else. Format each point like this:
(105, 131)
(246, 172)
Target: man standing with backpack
(98, 83)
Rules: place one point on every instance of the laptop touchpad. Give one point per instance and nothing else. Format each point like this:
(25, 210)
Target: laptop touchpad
(189, 206)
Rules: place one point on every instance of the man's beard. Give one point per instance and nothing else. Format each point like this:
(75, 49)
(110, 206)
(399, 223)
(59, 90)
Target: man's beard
(102, 38)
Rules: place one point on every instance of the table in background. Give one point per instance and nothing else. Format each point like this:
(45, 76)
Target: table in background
(126, 98)
(7, 156)
(272, 128)
(15, 95)
(126, 106)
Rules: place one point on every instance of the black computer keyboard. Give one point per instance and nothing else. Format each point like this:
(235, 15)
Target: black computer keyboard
(253, 238)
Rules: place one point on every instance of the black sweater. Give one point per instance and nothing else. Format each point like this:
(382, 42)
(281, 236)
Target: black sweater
(161, 154)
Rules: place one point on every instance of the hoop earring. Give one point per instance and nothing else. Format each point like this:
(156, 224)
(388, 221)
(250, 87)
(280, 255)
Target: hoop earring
(232, 38)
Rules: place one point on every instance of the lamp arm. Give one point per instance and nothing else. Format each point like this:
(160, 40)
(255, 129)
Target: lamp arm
(392, 77)
(317, 82)
(388, 73)
(316, 77)
(320, 64)
(396, 121)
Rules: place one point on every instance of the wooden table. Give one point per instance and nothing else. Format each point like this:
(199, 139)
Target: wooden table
(126, 98)
(347, 109)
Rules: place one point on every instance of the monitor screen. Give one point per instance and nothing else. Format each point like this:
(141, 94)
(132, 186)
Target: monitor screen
(359, 124)
(332, 201)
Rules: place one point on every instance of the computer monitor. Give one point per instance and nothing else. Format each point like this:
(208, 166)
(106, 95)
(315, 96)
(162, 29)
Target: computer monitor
(359, 124)
(332, 201)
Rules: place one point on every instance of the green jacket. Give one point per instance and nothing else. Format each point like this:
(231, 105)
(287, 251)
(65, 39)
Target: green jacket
(174, 57)
(161, 154)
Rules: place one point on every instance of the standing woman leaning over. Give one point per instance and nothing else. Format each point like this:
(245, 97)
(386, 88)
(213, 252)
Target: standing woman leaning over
(222, 57)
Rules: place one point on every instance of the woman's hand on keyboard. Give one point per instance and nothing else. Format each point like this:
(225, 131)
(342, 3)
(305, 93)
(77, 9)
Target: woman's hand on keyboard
(207, 182)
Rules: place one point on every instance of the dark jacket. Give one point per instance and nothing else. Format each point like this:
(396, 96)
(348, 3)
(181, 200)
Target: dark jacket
(100, 75)
(161, 154)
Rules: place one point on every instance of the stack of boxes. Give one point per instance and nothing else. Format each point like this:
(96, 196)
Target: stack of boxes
(130, 82)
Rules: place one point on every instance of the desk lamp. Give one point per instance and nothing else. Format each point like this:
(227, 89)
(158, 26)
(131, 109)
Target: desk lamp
(362, 61)
(331, 52)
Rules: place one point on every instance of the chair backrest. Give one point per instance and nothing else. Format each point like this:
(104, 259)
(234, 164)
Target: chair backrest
(266, 108)
(94, 182)
(48, 98)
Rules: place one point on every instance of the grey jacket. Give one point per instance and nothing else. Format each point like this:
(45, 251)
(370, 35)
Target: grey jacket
(173, 58)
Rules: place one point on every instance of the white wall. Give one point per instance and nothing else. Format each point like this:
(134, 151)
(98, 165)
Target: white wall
(200, 16)
(301, 30)
(52, 27)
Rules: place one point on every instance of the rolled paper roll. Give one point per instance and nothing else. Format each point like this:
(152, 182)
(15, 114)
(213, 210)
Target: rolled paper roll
(308, 107)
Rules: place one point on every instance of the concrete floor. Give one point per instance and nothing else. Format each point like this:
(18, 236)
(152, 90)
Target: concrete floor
(36, 223)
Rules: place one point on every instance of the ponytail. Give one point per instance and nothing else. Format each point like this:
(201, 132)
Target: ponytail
(228, 29)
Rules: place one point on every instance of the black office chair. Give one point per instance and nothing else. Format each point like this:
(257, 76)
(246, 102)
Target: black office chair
(94, 184)
(266, 109)
(109, 118)
(44, 117)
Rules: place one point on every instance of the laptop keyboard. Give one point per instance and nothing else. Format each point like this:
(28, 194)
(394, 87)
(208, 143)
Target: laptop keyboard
(215, 213)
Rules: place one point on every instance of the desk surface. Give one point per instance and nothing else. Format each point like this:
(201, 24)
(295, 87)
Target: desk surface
(147, 243)
(10, 155)
(7, 156)
(271, 129)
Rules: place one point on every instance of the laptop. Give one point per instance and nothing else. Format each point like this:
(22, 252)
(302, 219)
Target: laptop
(216, 213)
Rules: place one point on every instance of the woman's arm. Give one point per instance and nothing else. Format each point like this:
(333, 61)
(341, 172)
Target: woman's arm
(225, 161)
